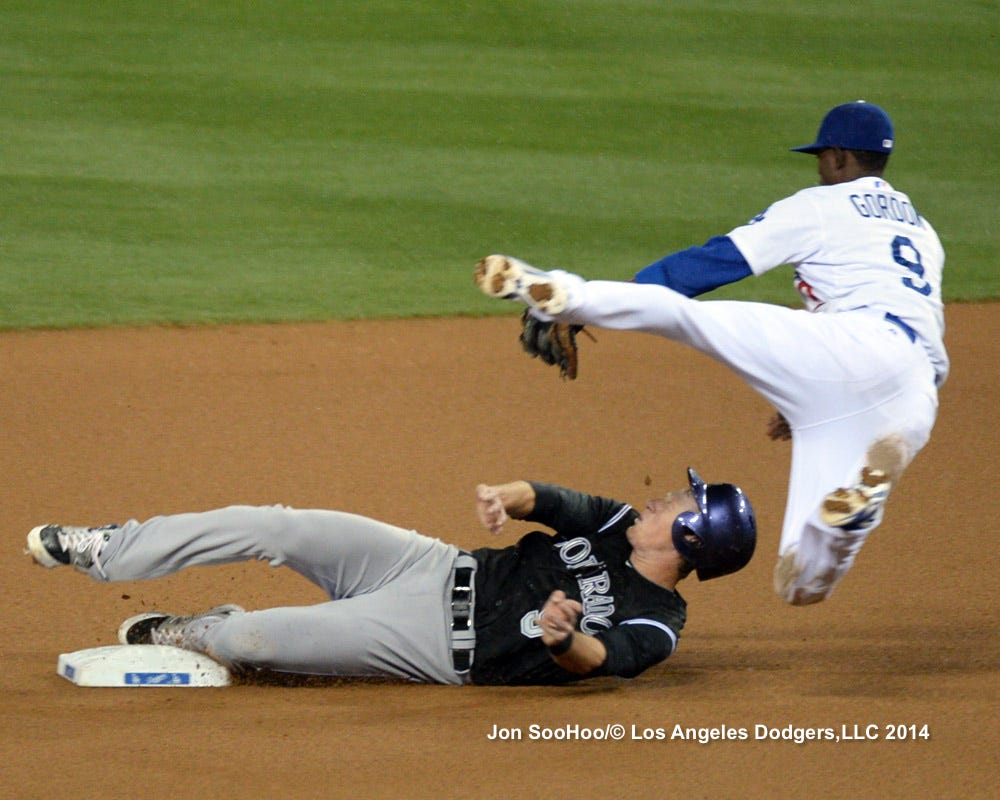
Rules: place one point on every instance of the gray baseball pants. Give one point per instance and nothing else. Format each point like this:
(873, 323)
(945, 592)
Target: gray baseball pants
(389, 612)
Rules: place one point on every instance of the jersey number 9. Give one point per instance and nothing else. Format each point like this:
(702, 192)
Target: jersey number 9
(903, 244)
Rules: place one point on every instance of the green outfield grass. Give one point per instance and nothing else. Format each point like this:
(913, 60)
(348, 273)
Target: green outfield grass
(230, 161)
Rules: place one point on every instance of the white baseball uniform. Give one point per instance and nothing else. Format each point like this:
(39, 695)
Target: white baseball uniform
(863, 361)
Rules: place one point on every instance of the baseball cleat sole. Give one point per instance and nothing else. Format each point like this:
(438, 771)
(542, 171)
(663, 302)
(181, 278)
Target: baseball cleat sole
(508, 278)
(860, 506)
(844, 508)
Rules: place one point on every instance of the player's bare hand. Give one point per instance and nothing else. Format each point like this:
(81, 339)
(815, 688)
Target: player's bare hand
(778, 428)
(558, 617)
(490, 508)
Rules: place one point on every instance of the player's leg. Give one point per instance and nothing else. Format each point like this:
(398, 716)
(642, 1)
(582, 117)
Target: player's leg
(340, 552)
(775, 349)
(400, 629)
(772, 348)
(798, 361)
(844, 382)
(813, 368)
(406, 637)
(813, 554)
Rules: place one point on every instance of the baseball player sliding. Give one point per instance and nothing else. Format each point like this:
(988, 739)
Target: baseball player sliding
(854, 376)
(597, 598)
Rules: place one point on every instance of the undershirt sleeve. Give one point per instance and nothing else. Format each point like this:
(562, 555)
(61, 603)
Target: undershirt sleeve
(698, 270)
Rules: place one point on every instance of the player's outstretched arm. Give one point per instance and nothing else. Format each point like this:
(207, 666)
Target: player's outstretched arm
(570, 649)
(496, 504)
(698, 269)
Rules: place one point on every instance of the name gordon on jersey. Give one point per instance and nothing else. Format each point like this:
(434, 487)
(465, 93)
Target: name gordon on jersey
(886, 206)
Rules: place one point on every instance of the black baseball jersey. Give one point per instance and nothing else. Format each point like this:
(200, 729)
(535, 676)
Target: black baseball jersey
(638, 621)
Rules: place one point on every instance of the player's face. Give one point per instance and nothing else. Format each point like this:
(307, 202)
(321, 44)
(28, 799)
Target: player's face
(830, 166)
(656, 520)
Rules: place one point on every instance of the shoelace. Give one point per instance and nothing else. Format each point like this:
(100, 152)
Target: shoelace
(170, 631)
(84, 546)
(187, 632)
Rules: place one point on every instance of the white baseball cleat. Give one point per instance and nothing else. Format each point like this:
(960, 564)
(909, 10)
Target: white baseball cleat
(860, 507)
(511, 279)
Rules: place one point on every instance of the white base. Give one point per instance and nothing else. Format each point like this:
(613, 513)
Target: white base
(141, 665)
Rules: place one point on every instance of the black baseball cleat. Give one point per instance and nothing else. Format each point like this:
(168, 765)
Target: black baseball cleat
(139, 629)
(156, 627)
(64, 545)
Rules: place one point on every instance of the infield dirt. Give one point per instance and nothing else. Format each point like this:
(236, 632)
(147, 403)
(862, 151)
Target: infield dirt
(399, 420)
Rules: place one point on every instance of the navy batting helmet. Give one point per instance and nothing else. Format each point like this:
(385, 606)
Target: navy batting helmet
(720, 537)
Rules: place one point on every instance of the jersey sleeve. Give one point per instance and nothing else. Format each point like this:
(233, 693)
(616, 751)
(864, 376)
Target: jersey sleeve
(572, 513)
(698, 270)
(635, 645)
(789, 231)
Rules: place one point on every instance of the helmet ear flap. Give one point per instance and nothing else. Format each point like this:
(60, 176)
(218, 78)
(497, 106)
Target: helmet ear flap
(688, 535)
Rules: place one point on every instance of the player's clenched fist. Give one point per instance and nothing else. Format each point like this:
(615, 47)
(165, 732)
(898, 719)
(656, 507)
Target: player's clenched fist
(490, 508)
(558, 617)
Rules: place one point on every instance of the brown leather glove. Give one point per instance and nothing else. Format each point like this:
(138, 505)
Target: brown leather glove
(553, 342)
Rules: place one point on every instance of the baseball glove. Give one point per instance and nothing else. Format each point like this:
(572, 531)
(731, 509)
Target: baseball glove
(553, 342)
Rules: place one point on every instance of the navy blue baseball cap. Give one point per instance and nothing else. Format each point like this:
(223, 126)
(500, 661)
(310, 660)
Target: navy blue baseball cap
(853, 126)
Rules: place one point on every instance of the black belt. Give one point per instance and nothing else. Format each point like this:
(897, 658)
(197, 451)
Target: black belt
(463, 608)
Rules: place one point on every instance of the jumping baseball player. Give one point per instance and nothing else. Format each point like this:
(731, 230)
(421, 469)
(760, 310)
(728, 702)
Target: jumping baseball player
(854, 376)
(597, 598)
